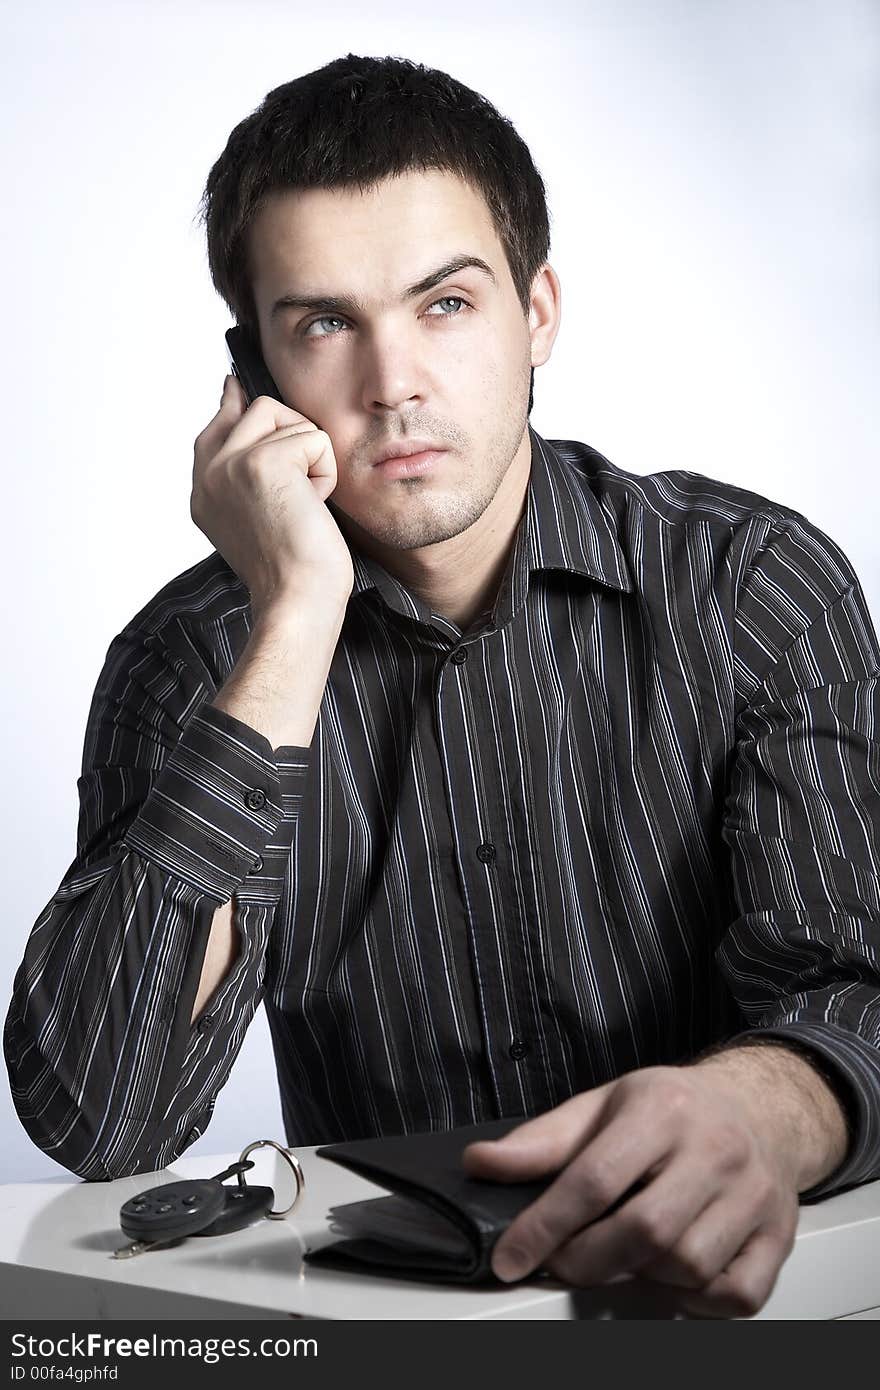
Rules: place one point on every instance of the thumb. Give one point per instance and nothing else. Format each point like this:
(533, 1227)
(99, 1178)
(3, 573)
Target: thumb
(539, 1146)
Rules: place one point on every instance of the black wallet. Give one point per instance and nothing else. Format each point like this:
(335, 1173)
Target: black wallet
(439, 1224)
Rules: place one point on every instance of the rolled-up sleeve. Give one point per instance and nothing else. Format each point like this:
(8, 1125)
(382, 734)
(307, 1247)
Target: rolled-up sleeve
(181, 807)
(802, 822)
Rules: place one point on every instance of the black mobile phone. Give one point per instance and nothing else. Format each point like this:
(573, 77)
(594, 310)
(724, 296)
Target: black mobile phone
(248, 365)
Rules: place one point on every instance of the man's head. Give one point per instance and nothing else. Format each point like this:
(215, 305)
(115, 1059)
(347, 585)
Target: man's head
(353, 187)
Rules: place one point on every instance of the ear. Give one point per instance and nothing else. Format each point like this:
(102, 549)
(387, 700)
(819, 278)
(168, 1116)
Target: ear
(545, 310)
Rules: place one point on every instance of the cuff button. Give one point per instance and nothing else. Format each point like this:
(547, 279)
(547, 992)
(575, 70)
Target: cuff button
(255, 799)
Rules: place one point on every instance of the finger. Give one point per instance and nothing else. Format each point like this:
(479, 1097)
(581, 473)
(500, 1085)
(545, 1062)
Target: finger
(216, 432)
(742, 1289)
(234, 391)
(269, 459)
(625, 1152)
(233, 405)
(273, 460)
(261, 418)
(542, 1145)
(642, 1231)
(709, 1244)
(236, 425)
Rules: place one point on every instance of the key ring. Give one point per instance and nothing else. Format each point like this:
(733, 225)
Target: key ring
(293, 1164)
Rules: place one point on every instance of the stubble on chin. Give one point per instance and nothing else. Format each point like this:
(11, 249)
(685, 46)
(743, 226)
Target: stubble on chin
(420, 517)
(420, 514)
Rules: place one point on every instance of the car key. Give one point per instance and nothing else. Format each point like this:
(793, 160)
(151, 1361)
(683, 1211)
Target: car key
(177, 1209)
(243, 1206)
(164, 1214)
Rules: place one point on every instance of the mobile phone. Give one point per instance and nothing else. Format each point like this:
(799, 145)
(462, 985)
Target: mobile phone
(247, 363)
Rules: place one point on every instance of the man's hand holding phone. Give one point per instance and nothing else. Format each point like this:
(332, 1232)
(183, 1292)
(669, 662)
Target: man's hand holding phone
(261, 476)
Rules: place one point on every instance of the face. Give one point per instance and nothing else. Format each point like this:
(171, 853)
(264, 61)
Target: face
(370, 333)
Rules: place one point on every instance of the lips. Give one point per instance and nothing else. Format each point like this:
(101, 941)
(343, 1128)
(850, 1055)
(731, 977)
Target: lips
(407, 450)
(408, 465)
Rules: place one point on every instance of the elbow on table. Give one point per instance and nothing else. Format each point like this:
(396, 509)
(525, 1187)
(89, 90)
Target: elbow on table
(78, 1145)
(84, 1136)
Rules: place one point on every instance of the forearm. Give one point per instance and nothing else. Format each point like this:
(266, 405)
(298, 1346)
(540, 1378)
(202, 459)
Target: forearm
(106, 1072)
(93, 1042)
(276, 687)
(278, 682)
(221, 954)
(790, 1103)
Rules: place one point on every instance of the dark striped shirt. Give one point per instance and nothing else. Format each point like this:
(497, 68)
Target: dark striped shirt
(632, 811)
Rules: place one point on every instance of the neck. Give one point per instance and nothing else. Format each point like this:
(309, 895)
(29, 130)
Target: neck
(460, 577)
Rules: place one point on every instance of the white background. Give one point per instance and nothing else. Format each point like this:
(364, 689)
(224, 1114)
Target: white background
(712, 175)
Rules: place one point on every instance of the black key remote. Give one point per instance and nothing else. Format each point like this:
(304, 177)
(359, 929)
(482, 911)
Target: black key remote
(244, 1206)
(173, 1211)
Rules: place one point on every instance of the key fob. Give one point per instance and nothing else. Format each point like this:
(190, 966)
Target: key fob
(175, 1210)
(243, 1206)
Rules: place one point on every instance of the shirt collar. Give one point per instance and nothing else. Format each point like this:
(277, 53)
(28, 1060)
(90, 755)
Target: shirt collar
(563, 527)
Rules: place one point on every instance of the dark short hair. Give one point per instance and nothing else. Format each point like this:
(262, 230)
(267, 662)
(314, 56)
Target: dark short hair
(351, 123)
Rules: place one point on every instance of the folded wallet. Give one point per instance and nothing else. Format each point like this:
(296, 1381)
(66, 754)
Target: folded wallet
(407, 1238)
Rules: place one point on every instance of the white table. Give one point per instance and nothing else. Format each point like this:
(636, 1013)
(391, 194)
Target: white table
(57, 1239)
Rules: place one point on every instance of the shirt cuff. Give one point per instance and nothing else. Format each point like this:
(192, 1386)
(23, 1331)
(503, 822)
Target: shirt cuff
(851, 1066)
(221, 813)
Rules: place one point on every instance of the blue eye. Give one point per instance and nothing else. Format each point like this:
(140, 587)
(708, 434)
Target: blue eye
(327, 318)
(454, 299)
(448, 299)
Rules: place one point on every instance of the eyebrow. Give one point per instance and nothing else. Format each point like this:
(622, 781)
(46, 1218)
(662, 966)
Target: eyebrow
(343, 304)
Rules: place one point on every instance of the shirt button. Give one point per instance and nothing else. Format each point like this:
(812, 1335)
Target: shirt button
(486, 853)
(257, 865)
(459, 656)
(518, 1050)
(207, 1024)
(255, 799)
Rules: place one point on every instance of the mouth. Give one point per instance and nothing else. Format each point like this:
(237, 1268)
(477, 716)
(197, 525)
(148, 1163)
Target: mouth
(408, 463)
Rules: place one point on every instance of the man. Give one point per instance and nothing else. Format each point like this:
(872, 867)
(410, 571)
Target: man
(514, 783)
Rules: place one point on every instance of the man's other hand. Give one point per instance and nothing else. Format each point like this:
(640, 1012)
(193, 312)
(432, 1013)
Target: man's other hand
(716, 1212)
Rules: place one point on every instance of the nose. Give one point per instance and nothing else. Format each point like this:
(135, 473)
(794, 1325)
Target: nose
(394, 374)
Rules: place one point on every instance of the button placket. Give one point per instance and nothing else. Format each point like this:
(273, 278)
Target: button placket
(477, 786)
